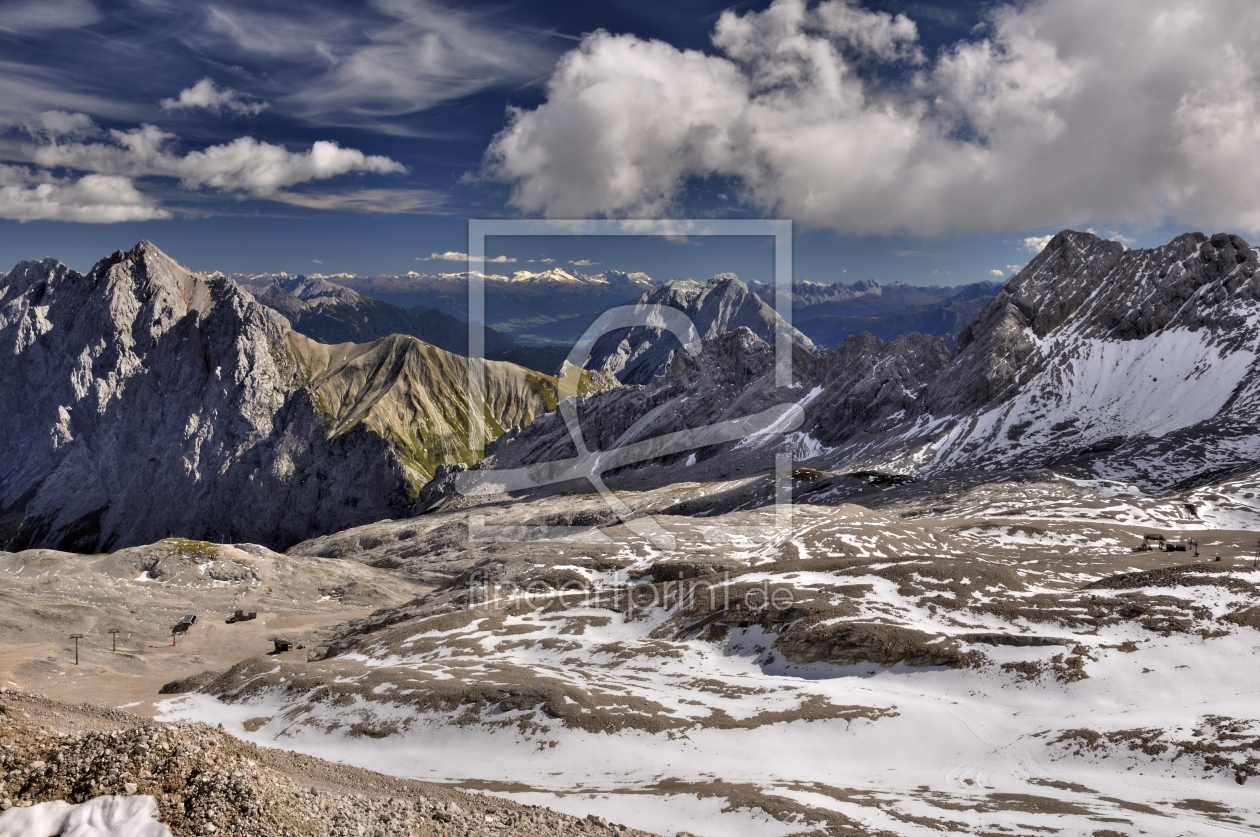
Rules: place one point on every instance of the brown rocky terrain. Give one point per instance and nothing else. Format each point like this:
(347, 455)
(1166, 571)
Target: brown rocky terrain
(207, 782)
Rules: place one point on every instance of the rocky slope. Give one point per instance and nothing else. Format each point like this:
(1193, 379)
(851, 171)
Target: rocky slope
(201, 780)
(721, 305)
(415, 396)
(913, 660)
(1097, 359)
(156, 402)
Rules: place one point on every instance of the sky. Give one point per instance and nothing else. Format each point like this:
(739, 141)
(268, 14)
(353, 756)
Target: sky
(925, 141)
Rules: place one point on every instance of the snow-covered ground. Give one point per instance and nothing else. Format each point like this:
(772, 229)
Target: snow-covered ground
(1071, 698)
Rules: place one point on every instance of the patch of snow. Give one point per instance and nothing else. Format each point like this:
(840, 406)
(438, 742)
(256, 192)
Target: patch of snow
(103, 816)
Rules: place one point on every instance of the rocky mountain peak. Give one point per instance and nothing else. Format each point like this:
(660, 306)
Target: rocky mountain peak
(149, 401)
(310, 289)
(721, 305)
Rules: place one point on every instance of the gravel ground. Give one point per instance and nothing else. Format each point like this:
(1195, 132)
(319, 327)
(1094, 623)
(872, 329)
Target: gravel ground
(207, 782)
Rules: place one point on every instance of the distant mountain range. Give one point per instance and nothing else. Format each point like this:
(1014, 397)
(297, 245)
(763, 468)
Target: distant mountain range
(332, 313)
(1094, 361)
(550, 310)
(898, 310)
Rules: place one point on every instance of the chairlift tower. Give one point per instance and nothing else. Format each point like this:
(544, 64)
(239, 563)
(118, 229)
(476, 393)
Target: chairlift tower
(76, 638)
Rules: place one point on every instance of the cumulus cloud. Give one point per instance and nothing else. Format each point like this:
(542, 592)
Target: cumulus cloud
(1036, 243)
(27, 195)
(997, 272)
(56, 124)
(1062, 113)
(583, 263)
(110, 163)
(205, 95)
(453, 256)
(244, 166)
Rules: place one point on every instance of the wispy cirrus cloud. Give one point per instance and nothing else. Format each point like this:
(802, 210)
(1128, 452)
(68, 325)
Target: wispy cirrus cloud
(339, 65)
(21, 16)
(372, 201)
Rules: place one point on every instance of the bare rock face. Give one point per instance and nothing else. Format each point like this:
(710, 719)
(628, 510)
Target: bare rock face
(721, 305)
(731, 377)
(873, 385)
(155, 402)
(145, 401)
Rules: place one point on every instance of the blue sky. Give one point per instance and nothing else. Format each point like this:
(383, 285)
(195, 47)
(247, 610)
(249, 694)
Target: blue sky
(930, 142)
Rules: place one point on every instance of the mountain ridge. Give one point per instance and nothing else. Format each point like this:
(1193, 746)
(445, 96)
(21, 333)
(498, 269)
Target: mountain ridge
(155, 401)
(1094, 360)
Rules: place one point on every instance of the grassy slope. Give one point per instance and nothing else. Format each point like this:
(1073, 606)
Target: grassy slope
(415, 395)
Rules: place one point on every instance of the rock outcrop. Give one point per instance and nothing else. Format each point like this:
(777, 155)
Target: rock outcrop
(721, 305)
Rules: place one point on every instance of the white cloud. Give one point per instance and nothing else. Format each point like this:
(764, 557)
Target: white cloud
(205, 95)
(583, 263)
(244, 166)
(54, 124)
(1037, 243)
(453, 256)
(996, 272)
(112, 161)
(91, 199)
(1123, 239)
(1014, 268)
(374, 201)
(547, 261)
(1063, 113)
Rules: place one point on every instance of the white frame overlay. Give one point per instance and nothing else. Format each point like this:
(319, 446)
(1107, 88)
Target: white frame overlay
(479, 229)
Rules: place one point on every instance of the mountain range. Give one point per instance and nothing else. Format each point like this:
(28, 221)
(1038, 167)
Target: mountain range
(1094, 361)
(535, 317)
(155, 401)
(146, 400)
